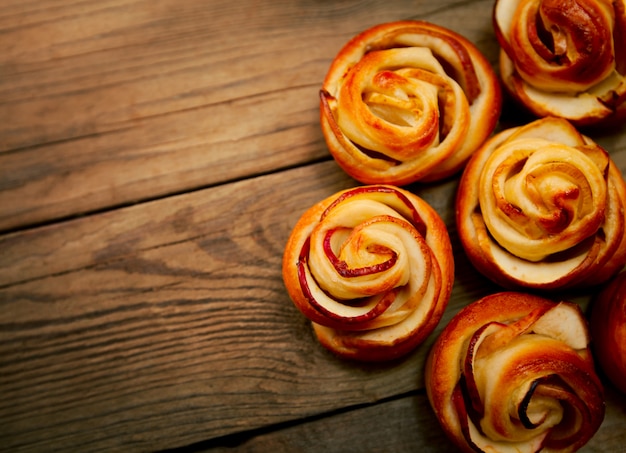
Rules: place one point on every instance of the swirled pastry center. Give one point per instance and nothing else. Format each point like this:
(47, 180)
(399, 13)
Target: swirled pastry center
(557, 40)
(400, 101)
(367, 258)
(521, 387)
(540, 198)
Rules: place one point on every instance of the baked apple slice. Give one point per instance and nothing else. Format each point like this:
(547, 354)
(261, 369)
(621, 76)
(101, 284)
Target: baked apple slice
(542, 206)
(565, 58)
(513, 372)
(372, 268)
(407, 101)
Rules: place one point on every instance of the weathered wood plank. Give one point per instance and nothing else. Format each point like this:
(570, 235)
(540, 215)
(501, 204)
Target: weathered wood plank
(401, 425)
(182, 336)
(106, 103)
(73, 245)
(172, 322)
(164, 324)
(175, 340)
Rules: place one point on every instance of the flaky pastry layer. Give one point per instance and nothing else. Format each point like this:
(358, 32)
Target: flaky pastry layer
(513, 372)
(372, 268)
(565, 58)
(542, 206)
(407, 101)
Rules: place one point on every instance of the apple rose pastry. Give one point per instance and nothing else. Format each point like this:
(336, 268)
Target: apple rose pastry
(564, 58)
(608, 330)
(372, 268)
(407, 101)
(542, 206)
(513, 373)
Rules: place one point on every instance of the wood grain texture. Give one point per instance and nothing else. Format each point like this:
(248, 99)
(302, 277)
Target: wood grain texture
(399, 425)
(106, 103)
(154, 156)
(200, 324)
(176, 340)
(173, 323)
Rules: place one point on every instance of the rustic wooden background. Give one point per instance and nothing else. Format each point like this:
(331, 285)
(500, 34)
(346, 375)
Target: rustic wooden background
(154, 156)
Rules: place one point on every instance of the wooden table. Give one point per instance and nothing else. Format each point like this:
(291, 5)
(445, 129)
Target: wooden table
(154, 156)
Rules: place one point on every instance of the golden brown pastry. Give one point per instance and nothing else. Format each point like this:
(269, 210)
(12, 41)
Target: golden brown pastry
(608, 330)
(542, 206)
(565, 58)
(407, 101)
(513, 373)
(372, 268)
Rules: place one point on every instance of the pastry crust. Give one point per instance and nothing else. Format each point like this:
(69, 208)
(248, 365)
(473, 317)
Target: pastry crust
(372, 268)
(608, 330)
(512, 372)
(565, 58)
(407, 101)
(542, 206)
